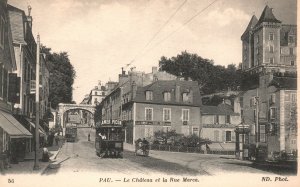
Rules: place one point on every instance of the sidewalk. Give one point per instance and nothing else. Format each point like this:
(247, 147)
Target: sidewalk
(26, 166)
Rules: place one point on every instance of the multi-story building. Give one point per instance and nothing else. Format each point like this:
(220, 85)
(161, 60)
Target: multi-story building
(12, 134)
(24, 50)
(268, 109)
(145, 103)
(269, 45)
(97, 94)
(219, 124)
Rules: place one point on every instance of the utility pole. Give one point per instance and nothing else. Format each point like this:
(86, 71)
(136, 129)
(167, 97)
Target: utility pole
(37, 105)
(256, 118)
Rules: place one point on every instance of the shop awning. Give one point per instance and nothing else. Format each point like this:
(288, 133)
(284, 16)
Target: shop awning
(41, 130)
(12, 126)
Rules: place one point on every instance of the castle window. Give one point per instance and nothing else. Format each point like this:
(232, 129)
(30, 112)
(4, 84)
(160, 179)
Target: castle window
(291, 51)
(292, 63)
(271, 48)
(257, 39)
(271, 60)
(291, 39)
(271, 36)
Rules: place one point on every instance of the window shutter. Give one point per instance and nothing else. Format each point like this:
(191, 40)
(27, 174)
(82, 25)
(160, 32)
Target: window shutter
(224, 136)
(14, 88)
(233, 136)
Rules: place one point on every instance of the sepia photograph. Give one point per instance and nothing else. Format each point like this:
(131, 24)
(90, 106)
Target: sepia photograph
(148, 92)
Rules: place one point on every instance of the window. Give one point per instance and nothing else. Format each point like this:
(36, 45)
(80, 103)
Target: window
(293, 97)
(272, 113)
(271, 36)
(291, 51)
(271, 60)
(185, 97)
(216, 119)
(262, 133)
(166, 114)
(2, 30)
(149, 95)
(271, 49)
(96, 101)
(227, 119)
(273, 99)
(148, 114)
(228, 136)
(257, 51)
(96, 93)
(103, 93)
(292, 63)
(291, 39)
(185, 114)
(257, 39)
(167, 96)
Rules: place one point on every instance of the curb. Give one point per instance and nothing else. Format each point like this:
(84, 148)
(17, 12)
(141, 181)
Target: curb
(54, 158)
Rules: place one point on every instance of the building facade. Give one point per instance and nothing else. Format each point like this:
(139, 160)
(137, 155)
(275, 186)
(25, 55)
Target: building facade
(145, 103)
(268, 110)
(269, 45)
(12, 134)
(25, 54)
(218, 125)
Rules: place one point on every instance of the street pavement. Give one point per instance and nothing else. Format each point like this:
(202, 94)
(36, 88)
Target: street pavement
(80, 157)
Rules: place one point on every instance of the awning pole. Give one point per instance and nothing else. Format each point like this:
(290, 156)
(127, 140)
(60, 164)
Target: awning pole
(37, 106)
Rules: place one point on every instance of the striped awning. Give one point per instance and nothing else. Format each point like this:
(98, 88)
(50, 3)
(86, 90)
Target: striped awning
(12, 126)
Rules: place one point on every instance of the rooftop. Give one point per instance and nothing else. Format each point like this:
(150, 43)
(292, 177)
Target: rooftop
(267, 16)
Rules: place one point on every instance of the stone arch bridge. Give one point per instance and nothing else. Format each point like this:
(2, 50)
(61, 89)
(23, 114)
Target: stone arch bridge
(64, 107)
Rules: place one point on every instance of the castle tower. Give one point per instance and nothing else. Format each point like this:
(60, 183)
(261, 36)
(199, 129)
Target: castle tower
(248, 47)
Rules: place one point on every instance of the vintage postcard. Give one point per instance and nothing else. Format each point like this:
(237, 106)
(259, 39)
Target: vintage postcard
(148, 93)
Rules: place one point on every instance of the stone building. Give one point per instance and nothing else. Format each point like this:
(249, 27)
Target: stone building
(24, 54)
(138, 102)
(218, 125)
(268, 44)
(13, 135)
(268, 109)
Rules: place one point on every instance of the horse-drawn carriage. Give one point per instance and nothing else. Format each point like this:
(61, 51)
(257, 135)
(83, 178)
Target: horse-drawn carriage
(142, 147)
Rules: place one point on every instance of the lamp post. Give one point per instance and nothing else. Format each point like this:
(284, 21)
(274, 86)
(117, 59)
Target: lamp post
(37, 105)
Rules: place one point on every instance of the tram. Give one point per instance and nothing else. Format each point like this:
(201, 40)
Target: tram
(109, 140)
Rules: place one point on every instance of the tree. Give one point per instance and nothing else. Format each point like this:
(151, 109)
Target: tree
(62, 75)
(210, 77)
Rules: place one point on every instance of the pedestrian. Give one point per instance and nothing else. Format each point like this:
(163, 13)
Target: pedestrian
(56, 139)
(89, 137)
(45, 157)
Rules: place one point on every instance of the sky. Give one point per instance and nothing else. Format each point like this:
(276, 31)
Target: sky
(101, 36)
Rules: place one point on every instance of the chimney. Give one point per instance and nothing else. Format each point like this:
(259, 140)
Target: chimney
(154, 69)
(133, 89)
(29, 18)
(123, 77)
(177, 93)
